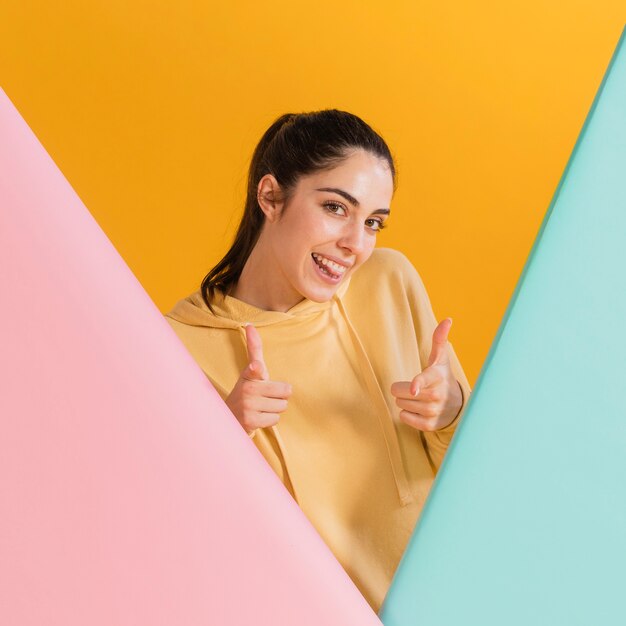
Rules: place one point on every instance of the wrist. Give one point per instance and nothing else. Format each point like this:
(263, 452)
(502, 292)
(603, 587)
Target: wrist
(453, 422)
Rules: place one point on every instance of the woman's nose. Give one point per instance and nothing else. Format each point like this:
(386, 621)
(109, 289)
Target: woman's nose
(353, 238)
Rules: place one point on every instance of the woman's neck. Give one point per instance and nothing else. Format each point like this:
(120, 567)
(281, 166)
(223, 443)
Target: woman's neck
(262, 284)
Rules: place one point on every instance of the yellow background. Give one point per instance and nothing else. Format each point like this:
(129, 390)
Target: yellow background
(152, 110)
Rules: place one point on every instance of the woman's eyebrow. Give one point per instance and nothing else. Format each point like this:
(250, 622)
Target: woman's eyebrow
(351, 199)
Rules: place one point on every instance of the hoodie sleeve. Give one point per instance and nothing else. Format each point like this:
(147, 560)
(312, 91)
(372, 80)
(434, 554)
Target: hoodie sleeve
(425, 322)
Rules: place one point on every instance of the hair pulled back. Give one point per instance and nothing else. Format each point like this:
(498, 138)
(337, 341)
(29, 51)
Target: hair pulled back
(295, 145)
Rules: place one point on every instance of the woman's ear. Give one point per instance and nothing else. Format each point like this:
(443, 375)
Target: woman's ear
(269, 197)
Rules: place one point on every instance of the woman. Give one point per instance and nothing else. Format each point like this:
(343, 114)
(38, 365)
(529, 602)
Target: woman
(327, 350)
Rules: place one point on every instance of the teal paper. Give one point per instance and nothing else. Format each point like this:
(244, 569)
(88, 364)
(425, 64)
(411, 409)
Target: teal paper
(526, 522)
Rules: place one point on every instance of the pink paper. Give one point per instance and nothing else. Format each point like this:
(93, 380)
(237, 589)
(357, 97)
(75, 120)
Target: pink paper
(129, 494)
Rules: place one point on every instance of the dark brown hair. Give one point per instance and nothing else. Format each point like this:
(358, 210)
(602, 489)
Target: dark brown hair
(295, 145)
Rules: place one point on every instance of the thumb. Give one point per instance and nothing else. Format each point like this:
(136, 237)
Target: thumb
(256, 369)
(439, 352)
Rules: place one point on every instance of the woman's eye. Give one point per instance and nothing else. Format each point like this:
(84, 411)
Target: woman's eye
(333, 207)
(375, 224)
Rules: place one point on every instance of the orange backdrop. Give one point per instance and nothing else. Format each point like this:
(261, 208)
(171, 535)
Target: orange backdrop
(152, 110)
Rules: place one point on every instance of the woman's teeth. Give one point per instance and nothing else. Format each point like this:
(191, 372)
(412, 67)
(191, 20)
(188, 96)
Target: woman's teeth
(327, 264)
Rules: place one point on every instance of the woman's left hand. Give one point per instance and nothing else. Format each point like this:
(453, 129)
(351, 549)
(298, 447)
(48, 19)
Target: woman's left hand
(433, 398)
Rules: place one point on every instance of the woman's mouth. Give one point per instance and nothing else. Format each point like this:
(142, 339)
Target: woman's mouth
(329, 270)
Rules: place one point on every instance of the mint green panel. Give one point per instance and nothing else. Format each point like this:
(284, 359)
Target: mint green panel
(526, 522)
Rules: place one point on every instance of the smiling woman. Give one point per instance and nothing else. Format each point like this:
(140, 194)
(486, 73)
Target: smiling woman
(325, 348)
(310, 243)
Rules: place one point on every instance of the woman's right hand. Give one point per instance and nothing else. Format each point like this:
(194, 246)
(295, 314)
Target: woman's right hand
(255, 400)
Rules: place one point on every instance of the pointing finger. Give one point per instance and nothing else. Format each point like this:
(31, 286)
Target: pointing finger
(401, 389)
(270, 388)
(277, 390)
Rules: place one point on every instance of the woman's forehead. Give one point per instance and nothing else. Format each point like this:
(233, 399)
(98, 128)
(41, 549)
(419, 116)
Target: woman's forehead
(359, 183)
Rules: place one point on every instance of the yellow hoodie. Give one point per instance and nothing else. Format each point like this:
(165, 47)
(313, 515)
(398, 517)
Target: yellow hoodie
(359, 474)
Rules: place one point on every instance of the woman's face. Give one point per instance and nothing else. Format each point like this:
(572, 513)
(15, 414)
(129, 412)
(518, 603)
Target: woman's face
(328, 229)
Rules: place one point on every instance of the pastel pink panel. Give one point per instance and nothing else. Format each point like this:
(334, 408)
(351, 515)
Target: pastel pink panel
(128, 492)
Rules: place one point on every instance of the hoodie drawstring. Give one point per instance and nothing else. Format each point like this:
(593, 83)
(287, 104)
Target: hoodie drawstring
(384, 415)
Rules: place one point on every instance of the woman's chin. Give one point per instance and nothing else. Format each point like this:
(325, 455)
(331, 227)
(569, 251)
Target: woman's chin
(320, 293)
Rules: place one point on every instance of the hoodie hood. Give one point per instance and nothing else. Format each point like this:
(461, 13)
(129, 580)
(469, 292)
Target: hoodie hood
(231, 313)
